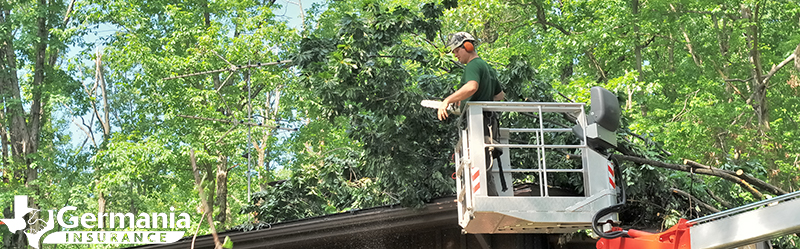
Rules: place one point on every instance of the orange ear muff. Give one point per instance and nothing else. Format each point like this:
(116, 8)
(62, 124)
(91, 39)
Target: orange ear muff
(468, 46)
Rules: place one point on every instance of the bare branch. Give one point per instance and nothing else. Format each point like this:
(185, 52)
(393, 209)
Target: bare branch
(223, 82)
(779, 66)
(797, 58)
(100, 80)
(590, 54)
(649, 142)
(541, 19)
(705, 171)
(206, 208)
(69, 10)
(739, 80)
(564, 96)
(227, 132)
(720, 200)
(685, 102)
(694, 199)
(88, 132)
(697, 60)
(194, 237)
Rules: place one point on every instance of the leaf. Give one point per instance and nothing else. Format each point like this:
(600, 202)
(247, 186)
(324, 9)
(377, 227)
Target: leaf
(228, 244)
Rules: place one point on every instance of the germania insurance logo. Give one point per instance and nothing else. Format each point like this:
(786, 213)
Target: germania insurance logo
(138, 229)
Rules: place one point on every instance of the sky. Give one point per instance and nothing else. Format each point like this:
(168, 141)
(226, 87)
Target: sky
(290, 12)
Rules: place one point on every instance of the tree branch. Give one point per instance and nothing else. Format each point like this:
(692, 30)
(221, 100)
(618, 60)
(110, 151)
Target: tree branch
(541, 19)
(230, 69)
(685, 102)
(649, 142)
(89, 133)
(194, 237)
(100, 80)
(720, 200)
(206, 208)
(779, 66)
(740, 174)
(697, 60)
(739, 80)
(694, 199)
(686, 168)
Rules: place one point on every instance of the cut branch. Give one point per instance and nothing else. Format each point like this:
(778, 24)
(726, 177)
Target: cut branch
(740, 174)
(705, 171)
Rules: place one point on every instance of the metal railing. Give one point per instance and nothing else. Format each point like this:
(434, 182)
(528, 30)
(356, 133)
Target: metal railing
(471, 173)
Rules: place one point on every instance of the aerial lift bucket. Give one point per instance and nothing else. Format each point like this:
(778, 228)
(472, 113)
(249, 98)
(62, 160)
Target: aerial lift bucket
(541, 210)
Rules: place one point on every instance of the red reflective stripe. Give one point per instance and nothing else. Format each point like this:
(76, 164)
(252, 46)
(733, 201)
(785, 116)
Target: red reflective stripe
(476, 187)
(611, 178)
(476, 175)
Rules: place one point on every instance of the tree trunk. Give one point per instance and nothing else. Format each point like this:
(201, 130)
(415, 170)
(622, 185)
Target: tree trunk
(637, 47)
(24, 128)
(222, 188)
(210, 181)
(101, 208)
(3, 143)
(100, 79)
(134, 209)
(758, 99)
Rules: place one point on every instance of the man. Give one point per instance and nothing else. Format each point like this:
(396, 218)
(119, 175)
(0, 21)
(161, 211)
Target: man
(479, 83)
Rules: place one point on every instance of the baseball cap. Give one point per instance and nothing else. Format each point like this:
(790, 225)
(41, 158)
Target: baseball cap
(457, 39)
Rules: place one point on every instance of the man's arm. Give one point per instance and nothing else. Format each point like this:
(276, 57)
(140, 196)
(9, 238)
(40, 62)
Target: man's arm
(463, 93)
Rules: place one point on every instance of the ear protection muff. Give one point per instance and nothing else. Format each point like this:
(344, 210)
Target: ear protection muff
(468, 46)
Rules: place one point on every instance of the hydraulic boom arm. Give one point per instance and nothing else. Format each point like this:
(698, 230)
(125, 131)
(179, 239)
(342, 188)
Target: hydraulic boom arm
(740, 226)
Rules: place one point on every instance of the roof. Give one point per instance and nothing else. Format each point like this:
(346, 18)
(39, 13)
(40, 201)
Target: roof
(388, 221)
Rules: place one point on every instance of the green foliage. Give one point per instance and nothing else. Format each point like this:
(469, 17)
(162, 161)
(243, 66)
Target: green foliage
(374, 71)
(228, 244)
(683, 71)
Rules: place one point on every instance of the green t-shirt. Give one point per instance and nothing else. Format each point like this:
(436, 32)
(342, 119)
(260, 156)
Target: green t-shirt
(488, 85)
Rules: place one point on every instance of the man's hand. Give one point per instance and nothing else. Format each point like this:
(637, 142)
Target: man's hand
(500, 96)
(443, 110)
(463, 93)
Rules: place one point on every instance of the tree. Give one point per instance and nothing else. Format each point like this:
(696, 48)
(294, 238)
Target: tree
(33, 36)
(570, 46)
(704, 85)
(179, 112)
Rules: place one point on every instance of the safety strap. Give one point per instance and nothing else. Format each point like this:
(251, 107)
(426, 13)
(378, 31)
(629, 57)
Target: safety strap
(502, 176)
(495, 154)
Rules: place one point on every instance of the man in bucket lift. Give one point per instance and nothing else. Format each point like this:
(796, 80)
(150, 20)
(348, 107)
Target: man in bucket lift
(479, 83)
